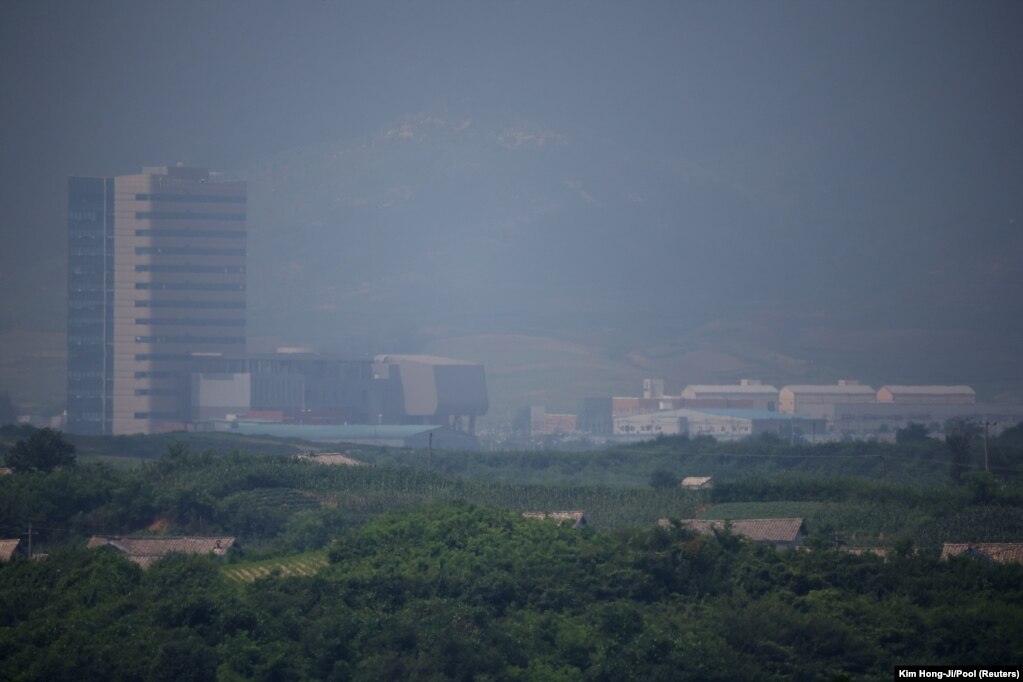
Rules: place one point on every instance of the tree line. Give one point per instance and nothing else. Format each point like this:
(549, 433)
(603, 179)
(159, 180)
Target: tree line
(463, 592)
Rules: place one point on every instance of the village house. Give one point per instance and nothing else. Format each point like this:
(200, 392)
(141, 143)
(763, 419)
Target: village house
(782, 533)
(697, 482)
(145, 550)
(10, 549)
(576, 518)
(999, 552)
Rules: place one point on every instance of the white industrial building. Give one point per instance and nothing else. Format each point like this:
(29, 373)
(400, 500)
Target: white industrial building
(830, 411)
(722, 424)
(757, 396)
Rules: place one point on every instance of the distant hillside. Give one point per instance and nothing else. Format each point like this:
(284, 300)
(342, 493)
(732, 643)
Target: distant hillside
(572, 266)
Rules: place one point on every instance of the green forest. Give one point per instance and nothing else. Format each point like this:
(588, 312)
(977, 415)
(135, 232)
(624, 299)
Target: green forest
(421, 566)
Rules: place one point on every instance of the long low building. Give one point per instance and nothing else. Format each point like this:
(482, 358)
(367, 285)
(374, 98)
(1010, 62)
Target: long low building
(722, 424)
(420, 437)
(998, 552)
(145, 550)
(831, 411)
(782, 533)
(927, 395)
(758, 396)
(819, 401)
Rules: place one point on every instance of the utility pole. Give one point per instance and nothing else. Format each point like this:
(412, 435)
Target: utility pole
(884, 469)
(30, 534)
(986, 424)
(429, 453)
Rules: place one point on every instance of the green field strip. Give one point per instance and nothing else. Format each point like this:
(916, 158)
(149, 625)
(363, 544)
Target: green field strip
(299, 565)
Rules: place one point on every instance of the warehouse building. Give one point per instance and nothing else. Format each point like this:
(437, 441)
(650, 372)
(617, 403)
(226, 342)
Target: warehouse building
(819, 401)
(927, 395)
(722, 424)
(748, 393)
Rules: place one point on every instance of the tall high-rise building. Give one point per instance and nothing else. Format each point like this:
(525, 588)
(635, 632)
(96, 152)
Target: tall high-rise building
(156, 278)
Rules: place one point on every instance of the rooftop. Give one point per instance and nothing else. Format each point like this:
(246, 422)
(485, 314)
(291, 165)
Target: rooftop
(421, 359)
(720, 412)
(929, 390)
(577, 518)
(335, 458)
(8, 548)
(754, 389)
(845, 389)
(758, 530)
(145, 550)
(749, 414)
(1000, 552)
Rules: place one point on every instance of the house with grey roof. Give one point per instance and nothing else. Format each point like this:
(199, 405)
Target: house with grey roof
(782, 533)
(999, 552)
(577, 519)
(145, 550)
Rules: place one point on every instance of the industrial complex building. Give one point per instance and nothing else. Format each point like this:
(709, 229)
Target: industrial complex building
(157, 342)
(820, 401)
(308, 388)
(749, 391)
(927, 395)
(722, 424)
(157, 318)
(811, 412)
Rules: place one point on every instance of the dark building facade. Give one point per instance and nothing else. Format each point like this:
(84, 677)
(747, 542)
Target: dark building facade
(308, 388)
(90, 305)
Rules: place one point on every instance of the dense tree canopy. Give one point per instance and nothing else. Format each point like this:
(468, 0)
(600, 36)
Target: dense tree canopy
(913, 432)
(410, 573)
(460, 592)
(43, 450)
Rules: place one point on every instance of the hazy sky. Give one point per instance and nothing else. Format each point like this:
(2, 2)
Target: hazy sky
(787, 147)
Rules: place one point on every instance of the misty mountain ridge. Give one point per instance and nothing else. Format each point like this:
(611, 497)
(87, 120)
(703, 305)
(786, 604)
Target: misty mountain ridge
(443, 227)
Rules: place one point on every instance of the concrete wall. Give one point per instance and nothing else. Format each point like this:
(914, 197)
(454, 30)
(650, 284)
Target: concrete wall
(215, 396)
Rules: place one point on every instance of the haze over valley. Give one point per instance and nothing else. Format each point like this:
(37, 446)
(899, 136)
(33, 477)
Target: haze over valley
(577, 196)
